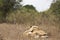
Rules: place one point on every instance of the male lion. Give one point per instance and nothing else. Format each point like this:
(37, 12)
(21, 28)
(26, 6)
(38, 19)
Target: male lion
(35, 32)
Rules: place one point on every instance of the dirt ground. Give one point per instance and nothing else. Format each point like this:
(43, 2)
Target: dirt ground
(15, 31)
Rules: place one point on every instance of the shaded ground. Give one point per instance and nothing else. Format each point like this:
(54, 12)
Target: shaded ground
(15, 31)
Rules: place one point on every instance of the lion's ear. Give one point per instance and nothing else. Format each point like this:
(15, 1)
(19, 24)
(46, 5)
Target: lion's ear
(30, 26)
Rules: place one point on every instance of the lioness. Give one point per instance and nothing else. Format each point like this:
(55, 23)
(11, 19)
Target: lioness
(34, 31)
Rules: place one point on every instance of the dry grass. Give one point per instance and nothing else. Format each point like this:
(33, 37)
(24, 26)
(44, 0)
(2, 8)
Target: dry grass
(15, 31)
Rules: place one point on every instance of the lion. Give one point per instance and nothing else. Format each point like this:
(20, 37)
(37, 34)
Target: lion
(35, 32)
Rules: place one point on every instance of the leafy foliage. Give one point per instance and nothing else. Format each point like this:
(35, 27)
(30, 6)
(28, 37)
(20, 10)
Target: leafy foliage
(6, 6)
(54, 13)
(28, 14)
(24, 15)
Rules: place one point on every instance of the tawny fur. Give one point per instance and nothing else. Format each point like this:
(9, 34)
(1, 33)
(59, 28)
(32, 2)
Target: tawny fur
(35, 31)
